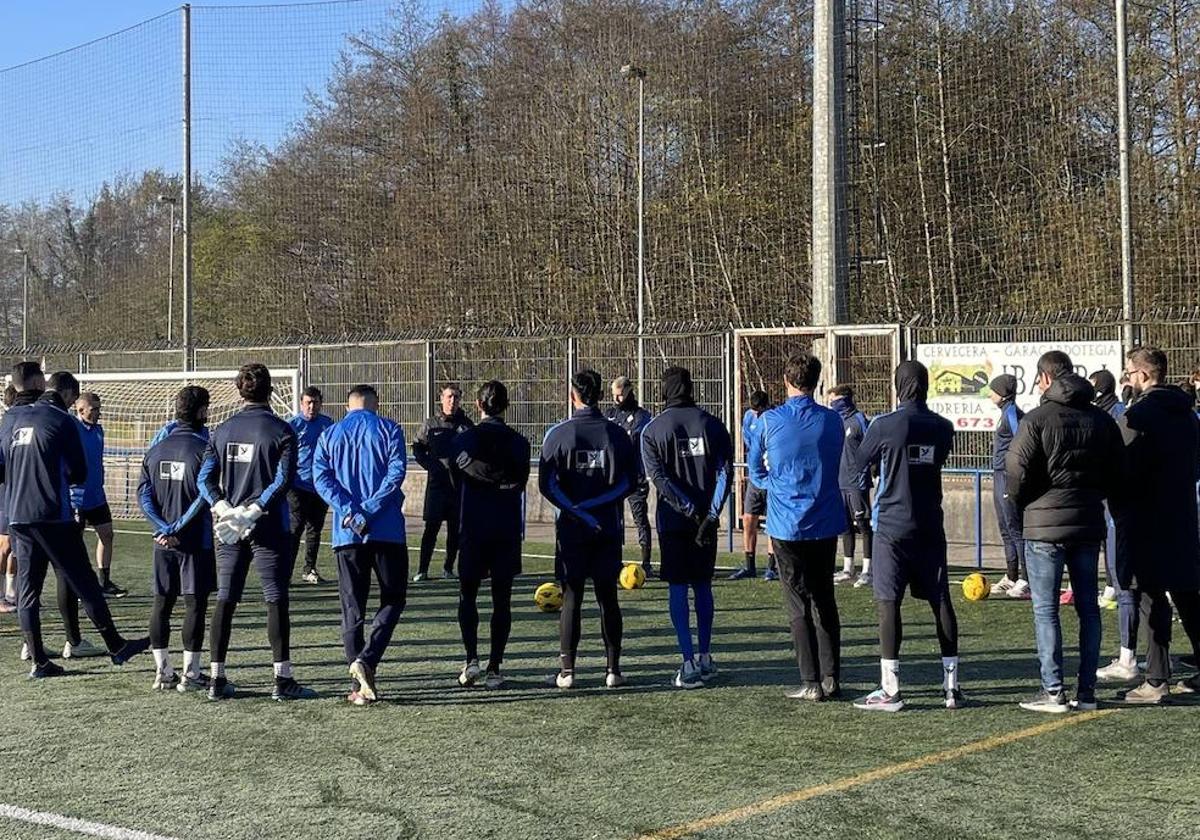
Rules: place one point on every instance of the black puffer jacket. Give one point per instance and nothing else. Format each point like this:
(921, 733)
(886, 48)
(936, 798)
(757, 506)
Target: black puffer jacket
(1158, 545)
(1066, 459)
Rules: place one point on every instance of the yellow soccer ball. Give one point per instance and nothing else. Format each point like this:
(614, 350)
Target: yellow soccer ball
(548, 597)
(633, 576)
(976, 587)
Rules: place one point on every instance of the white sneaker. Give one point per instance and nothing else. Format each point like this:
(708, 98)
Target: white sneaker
(83, 650)
(688, 676)
(1118, 671)
(614, 679)
(864, 579)
(1020, 591)
(563, 680)
(25, 655)
(470, 674)
(842, 576)
(166, 681)
(1002, 586)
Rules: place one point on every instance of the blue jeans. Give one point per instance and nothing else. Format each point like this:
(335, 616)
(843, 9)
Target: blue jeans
(1046, 562)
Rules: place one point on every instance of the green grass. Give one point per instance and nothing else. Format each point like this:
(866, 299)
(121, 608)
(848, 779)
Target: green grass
(437, 761)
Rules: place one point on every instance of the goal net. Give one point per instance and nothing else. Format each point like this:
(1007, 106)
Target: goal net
(134, 406)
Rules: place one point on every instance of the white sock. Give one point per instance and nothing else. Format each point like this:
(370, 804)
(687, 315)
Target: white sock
(218, 669)
(283, 669)
(10, 587)
(889, 670)
(191, 663)
(866, 566)
(848, 565)
(162, 661)
(949, 673)
(1128, 657)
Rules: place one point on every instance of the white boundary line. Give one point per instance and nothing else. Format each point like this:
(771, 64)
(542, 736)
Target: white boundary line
(111, 832)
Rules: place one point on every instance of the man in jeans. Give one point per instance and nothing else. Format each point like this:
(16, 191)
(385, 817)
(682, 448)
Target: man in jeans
(1064, 462)
(795, 458)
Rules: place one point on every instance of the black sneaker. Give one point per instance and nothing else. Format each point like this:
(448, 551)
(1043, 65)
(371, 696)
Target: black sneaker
(111, 590)
(1053, 702)
(130, 650)
(743, 574)
(286, 688)
(1085, 702)
(220, 689)
(46, 670)
(648, 568)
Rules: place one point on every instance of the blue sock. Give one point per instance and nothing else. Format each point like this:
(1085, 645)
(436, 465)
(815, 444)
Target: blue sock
(678, 599)
(704, 614)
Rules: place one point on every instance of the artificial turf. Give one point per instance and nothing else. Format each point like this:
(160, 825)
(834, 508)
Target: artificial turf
(438, 761)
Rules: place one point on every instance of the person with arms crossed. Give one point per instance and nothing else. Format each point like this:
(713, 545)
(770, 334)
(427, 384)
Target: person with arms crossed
(1015, 583)
(855, 487)
(910, 446)
(432, 450)
(754, 500)
(184, 562)
(1066, 459)
(248, 466)
(358, 468)
(305, 507)
(632, 417)
(41, 456)
(587, 468)
(491, 463)
(688, 458)
(796, 458)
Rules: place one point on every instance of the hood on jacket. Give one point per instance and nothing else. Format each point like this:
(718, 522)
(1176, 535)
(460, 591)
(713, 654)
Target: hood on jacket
(912, 382)
(677, 387)
(27, 397)
(844, 406)
(1004, 386)
(1070, 389)
(54, 398)
(1165, 398)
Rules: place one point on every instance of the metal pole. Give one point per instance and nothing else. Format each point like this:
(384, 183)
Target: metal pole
(829, 294)
(188, 338)
(24, 300)
(641, 236)
(978, 519)
(1126, 204)
(171, 278)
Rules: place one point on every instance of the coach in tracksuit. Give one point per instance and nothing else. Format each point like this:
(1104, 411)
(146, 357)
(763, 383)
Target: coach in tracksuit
(633, 418)
(1015, 583)
(432, 449)
(910, 446)
(491, 464)
(184, 562)
(305, 507)
(855, 487)
(41, 456)
(688, 457)
(358, 468)
(248, 466)
(796, 458)
(587, 468)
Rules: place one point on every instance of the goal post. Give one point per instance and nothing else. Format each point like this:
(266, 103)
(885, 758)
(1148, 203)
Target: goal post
(134, 406)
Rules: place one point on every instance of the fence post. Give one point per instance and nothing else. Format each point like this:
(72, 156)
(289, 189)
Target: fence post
(430, 376)
(978, 519)
(572, 361)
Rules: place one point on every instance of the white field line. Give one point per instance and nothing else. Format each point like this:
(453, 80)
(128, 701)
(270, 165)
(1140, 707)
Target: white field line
(92, 829)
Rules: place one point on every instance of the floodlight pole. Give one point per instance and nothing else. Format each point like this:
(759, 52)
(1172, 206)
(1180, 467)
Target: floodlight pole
(829, 259)
(166, 199)
(24, 296)
(186, 197)
(630, 71)
(1127, 331)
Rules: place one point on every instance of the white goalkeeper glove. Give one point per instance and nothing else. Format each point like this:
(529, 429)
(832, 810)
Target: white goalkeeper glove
(245, 519)
(228, 531)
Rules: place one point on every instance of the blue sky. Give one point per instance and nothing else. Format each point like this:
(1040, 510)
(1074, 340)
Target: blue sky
(76, 111)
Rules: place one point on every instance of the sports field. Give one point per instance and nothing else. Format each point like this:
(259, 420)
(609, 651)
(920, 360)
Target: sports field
(438, 761)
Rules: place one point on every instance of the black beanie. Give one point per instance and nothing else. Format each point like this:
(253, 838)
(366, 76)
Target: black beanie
(912, 381)
(1104, 382)
(677, 389)
(1005, 385)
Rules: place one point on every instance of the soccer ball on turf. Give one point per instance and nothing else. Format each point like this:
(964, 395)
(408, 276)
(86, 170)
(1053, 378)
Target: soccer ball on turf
(633, 576)
(975, 587)
(548, 597)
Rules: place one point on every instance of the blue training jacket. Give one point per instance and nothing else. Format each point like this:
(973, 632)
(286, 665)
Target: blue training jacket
(41, 456)
(169, 492)
(587, 468)
(307, 433)
(1006, 430)
(358, 468)
(910, 445)
(251, 459)
(169, 427)
(751, 426)
(795, 459)
(90, 494)
(688, 457)
(854, 427)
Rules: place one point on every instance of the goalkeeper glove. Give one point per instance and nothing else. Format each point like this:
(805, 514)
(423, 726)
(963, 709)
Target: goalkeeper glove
(245, 518)
(222, 510)
(228, 531)
(707, 535)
